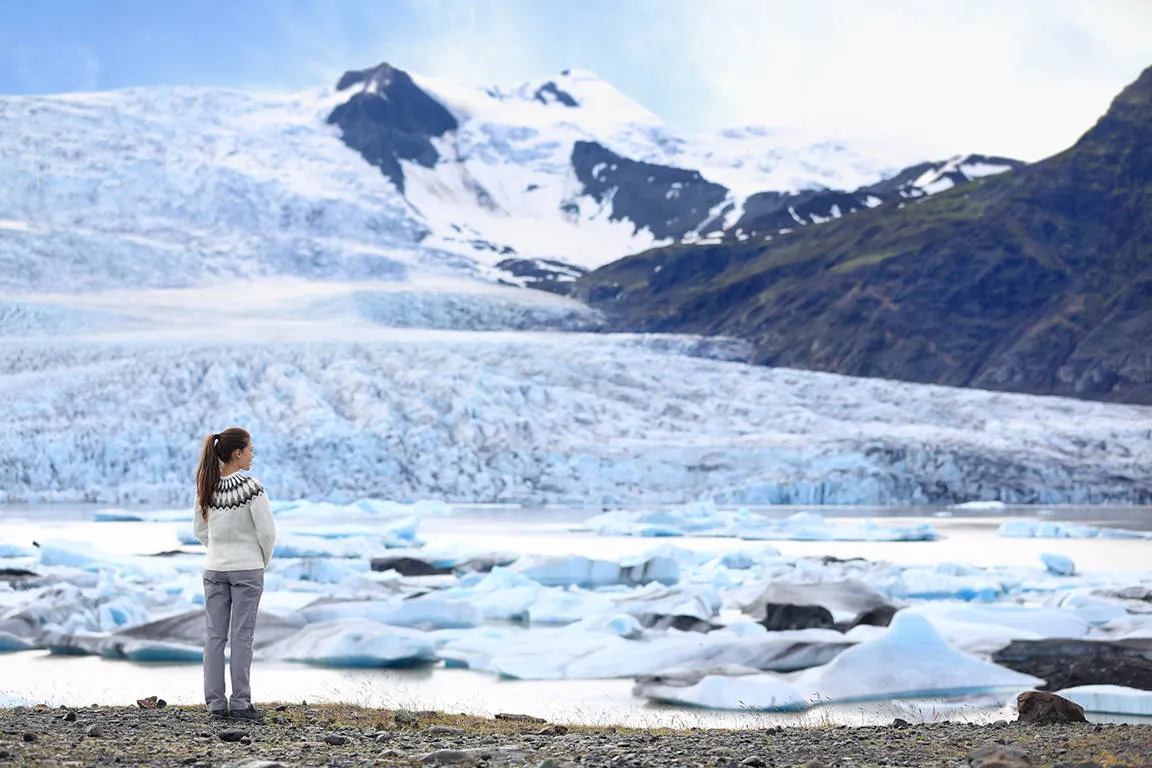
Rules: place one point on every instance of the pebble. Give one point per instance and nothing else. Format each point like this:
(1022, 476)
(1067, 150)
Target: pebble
(335, 739)
(232, 734)
(553, 730)
(404, 717)
(447, 756)
(444, 730)
(753, 762)
(70, 717)
(29, 737)
(94, 732)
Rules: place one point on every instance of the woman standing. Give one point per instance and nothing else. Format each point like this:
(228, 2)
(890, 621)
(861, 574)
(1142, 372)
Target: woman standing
(234, 521)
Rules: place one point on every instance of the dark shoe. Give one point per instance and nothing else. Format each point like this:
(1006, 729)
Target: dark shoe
(221, 714)
(251, 713)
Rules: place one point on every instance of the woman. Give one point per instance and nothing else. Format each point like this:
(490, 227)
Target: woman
(233, 520)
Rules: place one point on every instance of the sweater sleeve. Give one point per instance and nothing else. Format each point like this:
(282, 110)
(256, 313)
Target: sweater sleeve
(199, 524)
(265, 525)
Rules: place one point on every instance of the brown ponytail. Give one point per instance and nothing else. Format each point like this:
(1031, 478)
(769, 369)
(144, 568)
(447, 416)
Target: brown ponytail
(218, 448)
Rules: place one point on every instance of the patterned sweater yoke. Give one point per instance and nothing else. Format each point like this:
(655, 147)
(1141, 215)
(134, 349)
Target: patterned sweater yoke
(235, 491)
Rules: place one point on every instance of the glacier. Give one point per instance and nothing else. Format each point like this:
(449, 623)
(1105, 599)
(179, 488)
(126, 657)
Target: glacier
(533, 417)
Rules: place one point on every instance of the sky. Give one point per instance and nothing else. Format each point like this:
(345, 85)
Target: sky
(1022, 78)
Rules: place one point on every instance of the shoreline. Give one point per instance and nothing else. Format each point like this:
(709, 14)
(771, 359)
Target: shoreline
(346, 735)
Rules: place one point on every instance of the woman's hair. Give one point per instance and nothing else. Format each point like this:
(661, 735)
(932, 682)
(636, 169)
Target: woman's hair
(217, 448)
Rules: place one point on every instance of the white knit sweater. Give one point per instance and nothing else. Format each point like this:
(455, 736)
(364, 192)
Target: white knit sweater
(240, 533)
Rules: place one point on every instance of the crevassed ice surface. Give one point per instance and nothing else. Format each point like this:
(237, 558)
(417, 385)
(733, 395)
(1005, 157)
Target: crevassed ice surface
(534, 417)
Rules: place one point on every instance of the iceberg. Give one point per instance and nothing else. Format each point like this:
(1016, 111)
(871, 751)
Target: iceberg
(605, 648)
(910, 660)
(723, 688)
(580, 571)
(427, 612)
(705, 519)
(1044, 529)
(354, 643)
(1043, 622)
(8, 550)
(1058, 565)
(1111, 699)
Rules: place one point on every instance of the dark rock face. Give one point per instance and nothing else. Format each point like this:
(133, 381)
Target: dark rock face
(543, 274)
(390, 119)
(1069, 663)
(1042, 708)
(1035, 281)
(408, 566)
(550, 93)
(780, 616)
(669, 202)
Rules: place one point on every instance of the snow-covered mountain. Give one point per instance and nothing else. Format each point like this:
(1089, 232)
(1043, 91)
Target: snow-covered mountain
(331, 269)
(384, 177)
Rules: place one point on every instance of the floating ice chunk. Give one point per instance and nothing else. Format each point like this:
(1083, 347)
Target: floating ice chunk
(10, 643)
(427, 612)
(934, 583)
(563, 606)
(141, 516)
(745, 689)
(979, 505)
(1059, 565)
(1043, 529)
(15, 550)
(977, 637)
(317, 570)
(365, 509)
(655, 601)
(575, 653)
(910, 660)
(579, 571)
(1092, 609)
(297, 545)
(1044, 622)
(160, 650)
(1111, 699)
(704, 519)
(354, 643)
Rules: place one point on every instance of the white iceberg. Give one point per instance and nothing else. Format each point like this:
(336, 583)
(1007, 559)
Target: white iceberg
(705, 519)
(367, 510)
(1111, 699)
(1042, 622)
(431, 611)
(734, 688)
(7, 550)
(354, 643)
(580, 571)
(910, 660)
(1058, 565)
(601, 649)
(1043, 529)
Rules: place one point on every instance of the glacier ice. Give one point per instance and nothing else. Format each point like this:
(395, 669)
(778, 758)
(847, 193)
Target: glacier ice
(510, 418)
(1043, 529)
(910, 660)
(704, 519)
(354, 643)
(1110, 699)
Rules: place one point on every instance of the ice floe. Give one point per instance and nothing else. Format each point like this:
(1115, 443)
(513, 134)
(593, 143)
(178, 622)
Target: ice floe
(1111, 699)
(705, 519)
(910, 660)
(1044, 529)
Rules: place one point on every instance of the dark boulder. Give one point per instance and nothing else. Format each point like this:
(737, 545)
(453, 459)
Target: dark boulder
(1043, 707)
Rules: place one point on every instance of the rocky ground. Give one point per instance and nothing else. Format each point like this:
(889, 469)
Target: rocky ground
(337, 735)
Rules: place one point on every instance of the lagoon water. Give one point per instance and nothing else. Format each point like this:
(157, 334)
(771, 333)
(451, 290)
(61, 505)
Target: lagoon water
(970, 538)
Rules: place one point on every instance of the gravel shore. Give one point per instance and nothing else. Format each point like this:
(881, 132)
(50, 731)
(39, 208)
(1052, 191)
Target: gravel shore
(340, 735)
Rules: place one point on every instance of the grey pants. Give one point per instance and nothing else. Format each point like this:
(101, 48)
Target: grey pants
(230, 599)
